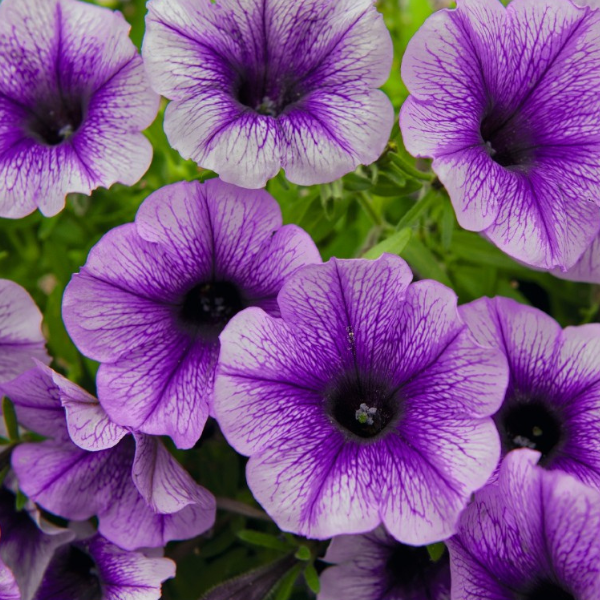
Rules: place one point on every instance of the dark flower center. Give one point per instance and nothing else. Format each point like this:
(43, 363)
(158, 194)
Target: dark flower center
(547, 590)
(508, 140)
(208, 307)
(530, 424)
(410, 569)
(72, 574)
(362, 406)
(269, 98)
(54, 123)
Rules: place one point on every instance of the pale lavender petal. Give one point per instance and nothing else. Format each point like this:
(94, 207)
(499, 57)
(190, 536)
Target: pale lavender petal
(88, 424)
(37, 402)
(587, 268)
(21, 338)
(129, 575)
(130, 523)
(9, 590)
(321, 487)
(161, 387)
(69, 481)
(163, 483)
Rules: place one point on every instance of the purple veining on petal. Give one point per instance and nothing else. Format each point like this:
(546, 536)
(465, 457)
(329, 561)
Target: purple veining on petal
(368, 401)
(258, 85)
(553, 396)
(95, 569)
(532, 534)
(503, 100)
(141, 495)
(21, 338)
(74, 98)
(154, 296)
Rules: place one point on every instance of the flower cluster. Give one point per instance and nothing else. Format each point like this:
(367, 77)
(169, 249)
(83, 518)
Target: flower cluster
(446, 450)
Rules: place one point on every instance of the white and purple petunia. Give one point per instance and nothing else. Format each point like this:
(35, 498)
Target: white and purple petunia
(505, 101)
(88, 466)
(74, 98)
(27, 545)
(95, 569)
(21, 338)
(552, 402)
(40, 561)
(532, 535)
(368, 401)
(374, 566)
(155, 294)
(257, 85)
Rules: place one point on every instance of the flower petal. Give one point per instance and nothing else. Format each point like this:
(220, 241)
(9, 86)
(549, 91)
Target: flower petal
(21, 338)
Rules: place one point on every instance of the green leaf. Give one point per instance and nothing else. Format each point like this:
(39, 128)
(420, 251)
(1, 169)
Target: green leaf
(286, 586)
(3, 474)
(263, 540)
(419, 209)
(395, 244)
(312, 578)
(303, 553)
(422, 260)
(436, 551)
(260, 583)
(20, 501)
(10, 419)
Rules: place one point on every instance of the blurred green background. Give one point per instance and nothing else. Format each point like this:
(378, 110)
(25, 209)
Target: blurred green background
(395, 205)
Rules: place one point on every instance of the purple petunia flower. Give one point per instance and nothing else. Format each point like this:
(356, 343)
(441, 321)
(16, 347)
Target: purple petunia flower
(257, 85)
(374, 566)
(95, 569)
(27, 545)
(154, 296)
(533, 535)
(553, 397)
(40, 561)
(504, 100)
(90, 466)
(368, 401)
(73, 100)
(21, 338)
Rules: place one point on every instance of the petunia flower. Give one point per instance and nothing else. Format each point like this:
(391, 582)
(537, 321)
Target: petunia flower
(154, 296)
(374, 566)
(89, 466)
(21, 338)
(368, 401)
(553, 397)
(257, 86)
(533, 535)
(27, 545)
(74, 98)
(95, 569)
(40, 561)
(504, 100)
